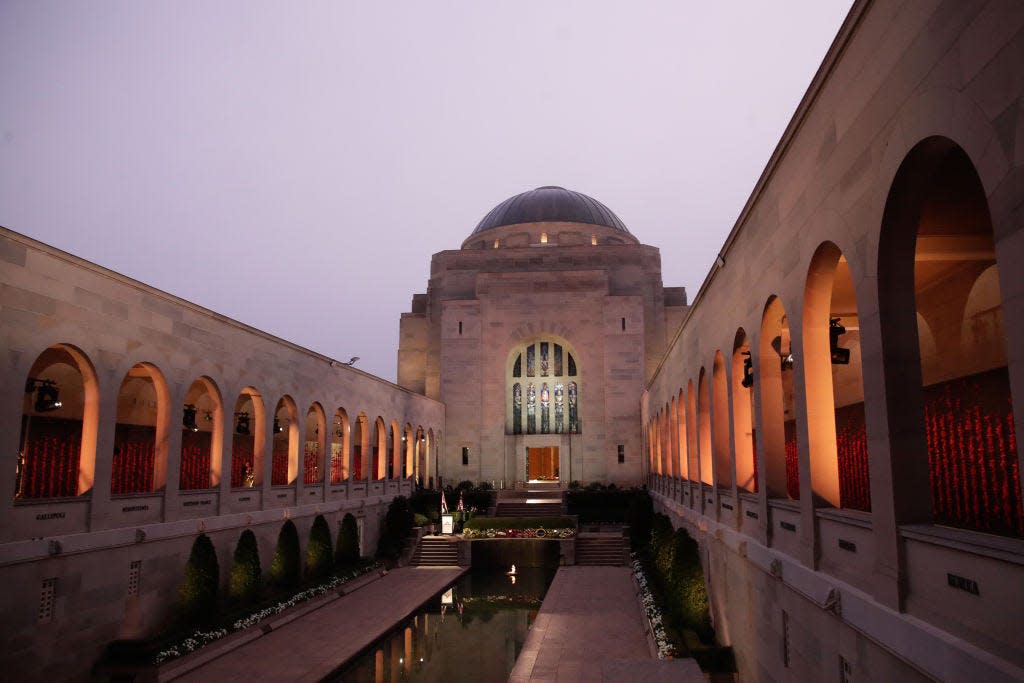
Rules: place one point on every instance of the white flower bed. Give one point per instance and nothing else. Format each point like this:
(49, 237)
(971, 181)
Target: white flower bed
(199, 639)
(665, 648)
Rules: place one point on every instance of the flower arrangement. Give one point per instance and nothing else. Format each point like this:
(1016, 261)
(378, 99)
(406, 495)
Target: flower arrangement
(199, 639)
(665, 648)
(539, 532)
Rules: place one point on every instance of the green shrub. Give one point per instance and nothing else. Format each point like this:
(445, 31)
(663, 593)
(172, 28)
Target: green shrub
(198, 592)
(246, 573)
(420, 520)
(347, 553)
(319, 554)
(285, 570)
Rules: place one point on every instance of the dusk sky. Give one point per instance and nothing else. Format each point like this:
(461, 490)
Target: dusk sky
(294, 165)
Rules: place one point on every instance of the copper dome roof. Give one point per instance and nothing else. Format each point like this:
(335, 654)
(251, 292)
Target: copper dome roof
(550, 203)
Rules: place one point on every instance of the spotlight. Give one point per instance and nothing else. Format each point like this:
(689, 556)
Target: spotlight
(277, 426)
(208, 415)
(242, 423)
(351, 361)
(748, 371)
(787, 361)
(188, 418)
(47, 394)
(840, 356)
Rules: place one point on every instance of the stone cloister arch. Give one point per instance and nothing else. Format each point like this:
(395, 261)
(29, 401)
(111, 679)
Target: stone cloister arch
(57, 443)
(201, 461)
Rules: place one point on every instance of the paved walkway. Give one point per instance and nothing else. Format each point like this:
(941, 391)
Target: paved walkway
(590, 628)
(314, 645)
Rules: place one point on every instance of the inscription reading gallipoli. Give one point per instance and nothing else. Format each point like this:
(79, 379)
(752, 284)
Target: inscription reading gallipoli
(50, 515)
(134, 508)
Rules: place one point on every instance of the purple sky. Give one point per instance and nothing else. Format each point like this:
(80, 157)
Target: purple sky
(294, 165)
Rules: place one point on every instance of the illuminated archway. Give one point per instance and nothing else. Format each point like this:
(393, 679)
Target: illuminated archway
(139, 463)
(340, 440)
(774, 378)
(313, 449)
(743, 413)
(285, 454)
(949, 407)
(247, 439)
(837, 438)
(202, 434)
(59, 420)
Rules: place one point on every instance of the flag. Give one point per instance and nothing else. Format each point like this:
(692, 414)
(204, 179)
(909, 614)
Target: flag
(462, 508)
(444, 504)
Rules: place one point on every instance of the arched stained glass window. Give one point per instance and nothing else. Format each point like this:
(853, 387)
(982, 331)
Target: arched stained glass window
(545, 409)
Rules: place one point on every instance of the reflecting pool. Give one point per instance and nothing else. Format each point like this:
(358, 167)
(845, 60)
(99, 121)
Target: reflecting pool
(472, 632)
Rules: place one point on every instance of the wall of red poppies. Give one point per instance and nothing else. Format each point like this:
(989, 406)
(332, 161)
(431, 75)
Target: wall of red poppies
(972, 454)
(852, 458)
(279, 464)
(337, 469)
(311, 463)
(195, 461)
(49, 468)
(792, 462)
(134, 459)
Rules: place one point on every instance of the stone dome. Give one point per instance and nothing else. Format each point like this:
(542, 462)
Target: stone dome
(550, 204)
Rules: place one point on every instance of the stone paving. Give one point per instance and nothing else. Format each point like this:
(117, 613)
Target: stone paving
(590, 629)
(314, 645)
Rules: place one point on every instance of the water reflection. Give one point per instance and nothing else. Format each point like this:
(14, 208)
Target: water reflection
(471, 632)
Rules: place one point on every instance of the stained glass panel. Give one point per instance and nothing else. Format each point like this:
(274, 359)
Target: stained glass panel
(574, 420)
(545, 411)
(572, 365)
(531, 409)
(517, 369)
(517, 408)
(543, 359)
(558, 360)
(559, 407)
(530, 363)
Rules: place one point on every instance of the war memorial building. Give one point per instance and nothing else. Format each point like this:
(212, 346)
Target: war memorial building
(831, 415)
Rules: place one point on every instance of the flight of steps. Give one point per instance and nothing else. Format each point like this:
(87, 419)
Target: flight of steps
(435, 552)
(601, 549)
(539, 500)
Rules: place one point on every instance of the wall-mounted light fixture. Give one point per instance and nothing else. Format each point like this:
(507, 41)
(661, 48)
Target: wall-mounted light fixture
(748, 371)
(188, 417)
(351, 361)
(47, 394)
(242, 424)
(840, 356)
(277, 426)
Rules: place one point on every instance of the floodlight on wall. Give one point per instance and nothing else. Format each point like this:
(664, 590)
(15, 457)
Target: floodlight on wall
(840, 356)
(787, 361)
(242, 424)
(277, 426)
(351, 361)
(188, 418)
(748, 371)
(208, 415)
(47, 394)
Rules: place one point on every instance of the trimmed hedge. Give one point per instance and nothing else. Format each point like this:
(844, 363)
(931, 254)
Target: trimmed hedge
(398, 525)
(599, 503)
(285, 571)
(319, 554)
(347, 553)
(198, 592)
(246, 573)
(676, 560)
